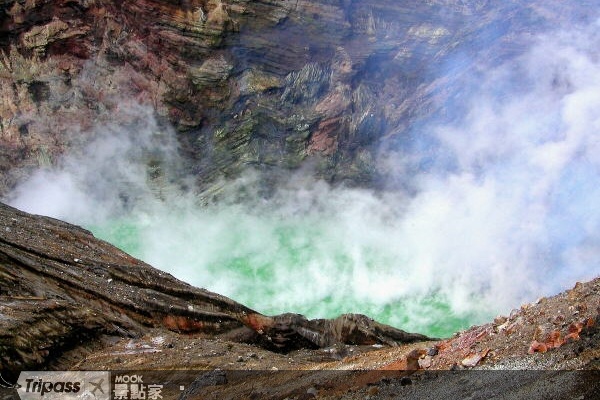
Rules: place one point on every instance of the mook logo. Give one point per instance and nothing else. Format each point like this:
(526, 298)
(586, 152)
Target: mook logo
(89, 385)
(133, 387)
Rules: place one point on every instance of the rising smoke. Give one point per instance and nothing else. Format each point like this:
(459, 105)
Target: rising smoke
(502, 207)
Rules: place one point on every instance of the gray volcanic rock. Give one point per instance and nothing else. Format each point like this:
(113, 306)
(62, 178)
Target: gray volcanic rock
(267, 84)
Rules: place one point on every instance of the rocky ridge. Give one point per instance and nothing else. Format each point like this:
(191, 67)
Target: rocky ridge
(61, 287)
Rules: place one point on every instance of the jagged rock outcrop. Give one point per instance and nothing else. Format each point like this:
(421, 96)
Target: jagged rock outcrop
(61, 288)
(264, 83)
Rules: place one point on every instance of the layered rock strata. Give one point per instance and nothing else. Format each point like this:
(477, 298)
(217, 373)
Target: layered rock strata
(262, 84)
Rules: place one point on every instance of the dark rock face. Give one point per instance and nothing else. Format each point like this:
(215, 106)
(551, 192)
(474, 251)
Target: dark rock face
(61, 288)
(267, 84)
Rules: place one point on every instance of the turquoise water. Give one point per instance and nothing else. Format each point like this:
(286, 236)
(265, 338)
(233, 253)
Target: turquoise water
(308, 264)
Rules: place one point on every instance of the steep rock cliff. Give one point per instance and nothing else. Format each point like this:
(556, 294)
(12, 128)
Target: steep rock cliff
(266, 84)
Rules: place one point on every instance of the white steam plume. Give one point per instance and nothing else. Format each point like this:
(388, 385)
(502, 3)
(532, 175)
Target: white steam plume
(123, 166)
(504, 208)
